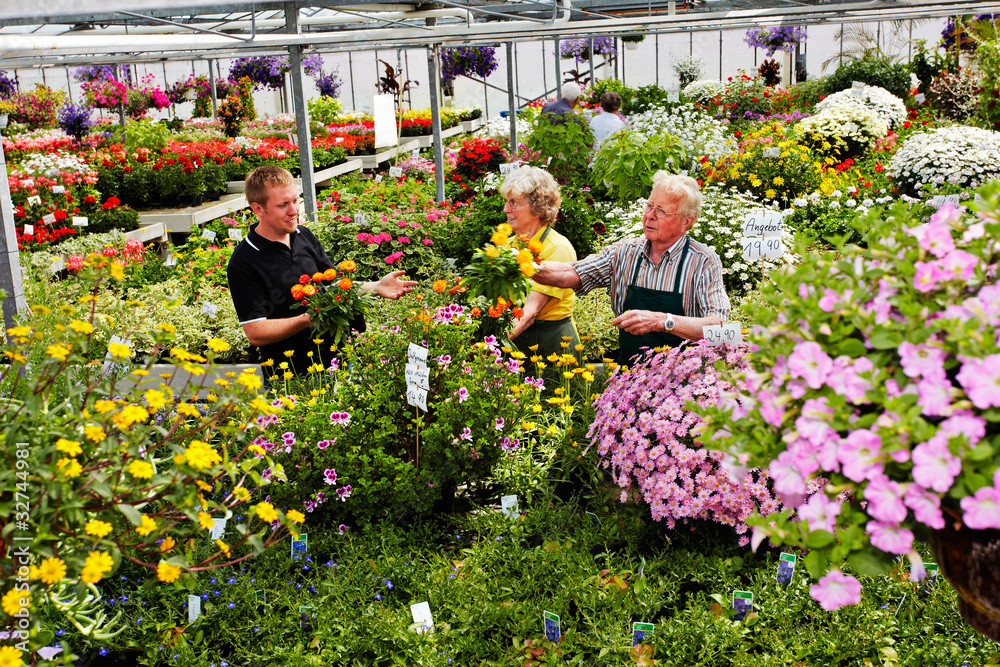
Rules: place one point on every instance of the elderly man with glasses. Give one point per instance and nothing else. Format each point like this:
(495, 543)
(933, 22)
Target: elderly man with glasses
(664, 285)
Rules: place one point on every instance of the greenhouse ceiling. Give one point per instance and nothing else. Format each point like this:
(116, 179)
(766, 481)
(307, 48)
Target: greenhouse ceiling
(71, 32)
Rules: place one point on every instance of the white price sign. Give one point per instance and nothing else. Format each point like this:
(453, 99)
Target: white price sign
(509, 505)
(236, 235)
(360, 219)
(395, 172)
(508, 167)
(208, 234)
(58, 189)
(417, 397)
(80, 221)
(49, 219)
(952, 199)
(170, 261)
(34, 200)
(218, 529)
(723, 334)
(937, 201)
(194, 608)
(28, 183)
(977, 197)
(762, 224)
(919, 97)
(209, 309)
(772, 152)
(416, 354)
(378, 178)
(765, 248)
(858, 85)
(418, 375)
(415, 152)
(422, 618)
(673, 96)
(29, 230)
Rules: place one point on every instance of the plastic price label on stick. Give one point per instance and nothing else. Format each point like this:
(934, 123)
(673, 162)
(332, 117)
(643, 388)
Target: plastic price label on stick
(194, 608)
(395, 172)
(218, 529)
(742, 603)
(29, 230)
(415, 152)
(417, 397)
(418, 375)
(508, 504)
(378, 178)
(757, 225)
(170, 261)
(772, 152)
(423, 620)
(49, 219)
(763, 248)
(639, 632)
(673, 96)
(208, 309)
(208, 234)
(360, 219)
(236, 235)
(553, 632)
(80, 221)
(416, 354)
(786, 568)
(58, 189)
(34, 200)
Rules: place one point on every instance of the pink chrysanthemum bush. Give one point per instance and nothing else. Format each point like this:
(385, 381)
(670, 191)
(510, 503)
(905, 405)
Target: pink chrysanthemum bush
(643, 431)
(878, 370)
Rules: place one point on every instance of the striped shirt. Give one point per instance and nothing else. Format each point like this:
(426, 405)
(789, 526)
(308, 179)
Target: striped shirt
(701, 281)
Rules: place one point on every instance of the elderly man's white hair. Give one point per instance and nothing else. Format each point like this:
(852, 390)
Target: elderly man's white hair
(571, 91)
(685, 187)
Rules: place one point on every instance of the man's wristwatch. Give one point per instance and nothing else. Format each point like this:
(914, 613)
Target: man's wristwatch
(668, 324)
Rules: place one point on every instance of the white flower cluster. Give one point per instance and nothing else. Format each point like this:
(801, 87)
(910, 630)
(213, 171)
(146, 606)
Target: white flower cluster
(622, 222)
(960, 154)
(848, 122)
(887, 106)
(498, 127)
(247, 142)
(702, 91)
(701, 134)
(50, 164)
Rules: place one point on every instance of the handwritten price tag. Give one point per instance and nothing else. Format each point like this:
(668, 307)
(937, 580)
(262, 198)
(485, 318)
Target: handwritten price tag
(29, 230)
(236, 235)
(952, 199)
(507, 167)
(34, 200)
(772, 152)
(209, 309)
(762, 224)
(395, 172)
(194, 608)
(764, 248)
(58, 189)
(418, 375)
(416, 354)
(80, 221)
(208, 234)
(49, 219)
(378, 178)
(673, 96)
(360, 219)
(417, 397)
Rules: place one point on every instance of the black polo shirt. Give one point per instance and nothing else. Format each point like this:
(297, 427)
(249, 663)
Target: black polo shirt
(261, 274)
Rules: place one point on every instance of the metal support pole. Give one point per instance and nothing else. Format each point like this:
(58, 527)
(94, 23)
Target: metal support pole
(691, 44)
(211, 86)
(69, 85)
(545, 77)
(301, 114)
(720, 55)
(10, 261)
(558, 85)
(511, 104)
(590, 53)
(434, 78)
(657, 45)
(350, 70)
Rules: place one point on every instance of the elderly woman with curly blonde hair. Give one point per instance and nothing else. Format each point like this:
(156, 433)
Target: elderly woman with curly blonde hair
(532, 203)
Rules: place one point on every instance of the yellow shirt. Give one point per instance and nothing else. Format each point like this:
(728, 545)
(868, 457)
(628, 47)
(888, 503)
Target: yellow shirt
(557, 248)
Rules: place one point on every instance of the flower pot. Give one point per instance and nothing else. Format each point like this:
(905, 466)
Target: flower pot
(970, 560)
(631, 46)
(189, 95)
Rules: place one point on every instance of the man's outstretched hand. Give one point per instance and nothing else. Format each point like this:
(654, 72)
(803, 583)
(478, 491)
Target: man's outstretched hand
(391, 287)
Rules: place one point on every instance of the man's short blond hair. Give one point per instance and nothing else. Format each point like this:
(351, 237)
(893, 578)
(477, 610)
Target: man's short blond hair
(263, 179)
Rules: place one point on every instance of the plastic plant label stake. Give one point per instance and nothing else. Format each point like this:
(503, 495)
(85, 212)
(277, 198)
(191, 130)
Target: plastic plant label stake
(553, 632)
(423, 621)
(360, 219)
(261, 596)
(673, 96)
(508, 505)
(395, 172)
(742, 603)
(34, 200)
(639, 632)
(58, 189)
(49, 219)
(208, 234)
(300, 546)
(170, 260)
(417, 397)
(786, 568)
(642, 569)
(594, 519)
(29, 230)
(208, 309)
(218, 529)
(930, 580)
(378, 178)
(236, 235)
(194, 608)
(80, 221)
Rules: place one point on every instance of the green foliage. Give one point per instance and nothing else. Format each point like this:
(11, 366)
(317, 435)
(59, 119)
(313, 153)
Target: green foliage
(123, 218)
(873, 70)
(460, 235)
(145, 134)
(576, 218)
(988, 58)
(627, 161)
(566, 140)
(601, 86)
(325, 109)
(809, 92)
(644, 98)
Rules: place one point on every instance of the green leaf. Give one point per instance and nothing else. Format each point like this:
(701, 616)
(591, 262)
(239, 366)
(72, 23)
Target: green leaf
(131, 513)
(852, 347)
(870, 562)
(983, 451)
(815, 562)
(885, 339)
(818, 539)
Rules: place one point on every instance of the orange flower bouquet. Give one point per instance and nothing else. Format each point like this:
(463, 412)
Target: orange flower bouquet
(332, 299)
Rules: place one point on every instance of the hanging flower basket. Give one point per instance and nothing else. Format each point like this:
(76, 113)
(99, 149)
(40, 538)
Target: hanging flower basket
(970, 560)
(579, 49)
(480, 61)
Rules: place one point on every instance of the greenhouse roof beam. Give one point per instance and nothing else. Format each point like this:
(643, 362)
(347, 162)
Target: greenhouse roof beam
(489, 12)
(186, 26)
(385, 20)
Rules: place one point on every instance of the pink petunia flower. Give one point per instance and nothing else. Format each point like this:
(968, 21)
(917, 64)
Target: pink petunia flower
(820, 512)
(934, 467)
(809, 362)
(890, 537)
(885, 500)
(859, 453)
(926, 506)
(980, 378)
(836, 590)
(982, 510)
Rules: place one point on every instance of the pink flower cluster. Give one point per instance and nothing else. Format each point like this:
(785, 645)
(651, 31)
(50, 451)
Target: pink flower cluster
(952, 263)
(642, 430)
(374, 239)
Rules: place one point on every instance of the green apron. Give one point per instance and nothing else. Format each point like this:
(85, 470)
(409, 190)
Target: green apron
(658, 301)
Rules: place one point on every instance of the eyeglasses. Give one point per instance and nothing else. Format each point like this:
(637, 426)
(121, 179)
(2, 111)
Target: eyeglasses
(515, 204)
(658, 212)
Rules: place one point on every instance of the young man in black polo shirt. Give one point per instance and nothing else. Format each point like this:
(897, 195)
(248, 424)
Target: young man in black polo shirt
(272, 257)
